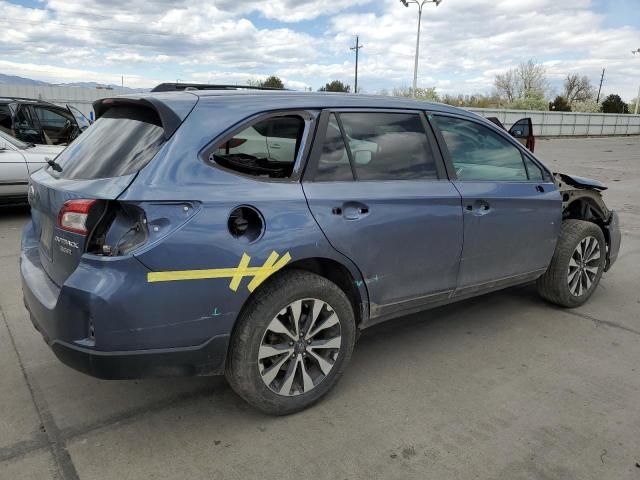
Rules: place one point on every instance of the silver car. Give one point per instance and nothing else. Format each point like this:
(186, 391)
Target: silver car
(18, 160)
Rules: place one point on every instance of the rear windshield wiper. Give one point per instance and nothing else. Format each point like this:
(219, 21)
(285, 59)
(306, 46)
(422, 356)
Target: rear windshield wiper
(53, 164)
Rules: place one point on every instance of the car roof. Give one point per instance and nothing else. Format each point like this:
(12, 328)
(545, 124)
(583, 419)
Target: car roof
(33, 101)
(288, 99)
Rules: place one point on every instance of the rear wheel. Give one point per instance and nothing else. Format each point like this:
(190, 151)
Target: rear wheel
(292, 343)
(576, 266)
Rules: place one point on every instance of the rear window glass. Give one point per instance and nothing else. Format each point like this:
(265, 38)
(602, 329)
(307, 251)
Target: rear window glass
(120, 142)
(266, 148)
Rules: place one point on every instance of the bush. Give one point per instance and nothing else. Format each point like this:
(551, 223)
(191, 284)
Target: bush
(614, 104)
(559, 105)
(587, 106)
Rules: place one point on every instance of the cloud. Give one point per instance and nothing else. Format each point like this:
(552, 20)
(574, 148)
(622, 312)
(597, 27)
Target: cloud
(464, 43)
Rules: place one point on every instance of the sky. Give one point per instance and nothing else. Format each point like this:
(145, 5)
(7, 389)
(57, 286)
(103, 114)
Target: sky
(464, 43)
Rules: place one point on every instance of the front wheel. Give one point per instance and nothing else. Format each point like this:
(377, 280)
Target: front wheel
(292, 343)
(576, 266)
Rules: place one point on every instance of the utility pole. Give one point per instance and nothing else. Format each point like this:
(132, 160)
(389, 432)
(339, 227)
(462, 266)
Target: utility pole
(357, 48)
(635, 112)
(600, 89)
(122, 81)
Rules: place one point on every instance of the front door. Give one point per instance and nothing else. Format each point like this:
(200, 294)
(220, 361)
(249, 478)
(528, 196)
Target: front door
(379, 193)
(512, 208)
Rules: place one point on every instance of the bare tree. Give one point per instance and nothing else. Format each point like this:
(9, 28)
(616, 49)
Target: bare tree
(506, 85)
(578, 89)
(527, 80)
(532, 77)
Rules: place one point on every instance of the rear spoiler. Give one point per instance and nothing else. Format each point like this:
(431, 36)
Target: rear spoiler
(168, 117)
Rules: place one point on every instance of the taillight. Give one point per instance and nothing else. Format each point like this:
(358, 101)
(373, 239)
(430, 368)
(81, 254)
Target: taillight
(73, 216)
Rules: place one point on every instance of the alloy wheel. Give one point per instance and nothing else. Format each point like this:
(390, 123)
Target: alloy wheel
(583, 266)
(299, 347)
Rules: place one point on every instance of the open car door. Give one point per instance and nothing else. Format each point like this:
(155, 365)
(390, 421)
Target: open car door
(523, 131)
(82, 121)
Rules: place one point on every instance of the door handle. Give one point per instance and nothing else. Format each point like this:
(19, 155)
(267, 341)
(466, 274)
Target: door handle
(540, 188)
(351, 210)
(479, 207)
(275, 146)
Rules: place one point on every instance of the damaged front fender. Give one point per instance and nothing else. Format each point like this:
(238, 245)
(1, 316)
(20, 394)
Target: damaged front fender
(582, 200)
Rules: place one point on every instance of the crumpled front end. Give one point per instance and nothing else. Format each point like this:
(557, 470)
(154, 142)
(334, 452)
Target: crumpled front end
(582, 199)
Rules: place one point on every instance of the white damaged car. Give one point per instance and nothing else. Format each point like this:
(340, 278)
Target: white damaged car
(18, 160)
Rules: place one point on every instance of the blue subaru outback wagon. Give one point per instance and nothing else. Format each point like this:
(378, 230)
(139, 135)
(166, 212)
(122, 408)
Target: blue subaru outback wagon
(204, 231)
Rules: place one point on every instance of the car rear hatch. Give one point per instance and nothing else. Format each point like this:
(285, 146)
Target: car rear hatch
(79, 188)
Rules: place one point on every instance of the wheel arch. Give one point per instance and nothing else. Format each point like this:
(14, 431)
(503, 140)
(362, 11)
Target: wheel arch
(346, 277)
(349, 281)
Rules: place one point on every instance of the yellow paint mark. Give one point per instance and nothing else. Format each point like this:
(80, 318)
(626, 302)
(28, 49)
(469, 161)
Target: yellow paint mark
(269, 267)
(235, 281)
(259, 274)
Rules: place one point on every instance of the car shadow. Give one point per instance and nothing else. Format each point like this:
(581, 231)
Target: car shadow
(11, 211)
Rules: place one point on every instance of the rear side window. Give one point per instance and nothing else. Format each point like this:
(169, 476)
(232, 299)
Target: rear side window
(120, 142)
(267, 148)
(381, 146)
(333, 164)
(479, 153)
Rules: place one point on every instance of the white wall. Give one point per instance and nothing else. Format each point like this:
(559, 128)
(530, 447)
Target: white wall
(555, 124)
(80, 97)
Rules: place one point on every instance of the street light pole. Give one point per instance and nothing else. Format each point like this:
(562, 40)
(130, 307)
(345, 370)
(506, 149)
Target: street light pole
(635, 112)
(415, 66)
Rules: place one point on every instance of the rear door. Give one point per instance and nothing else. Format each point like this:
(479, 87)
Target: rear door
(379, 192)
(512, 208)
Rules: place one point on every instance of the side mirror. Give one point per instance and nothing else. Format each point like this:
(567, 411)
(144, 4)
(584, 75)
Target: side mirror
(362, 157)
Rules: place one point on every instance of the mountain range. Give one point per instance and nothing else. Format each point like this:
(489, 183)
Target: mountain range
(16, 80)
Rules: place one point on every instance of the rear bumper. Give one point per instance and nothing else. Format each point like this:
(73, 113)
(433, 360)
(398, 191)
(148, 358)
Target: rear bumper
(614, 238)
(207, 359)
(96, 322)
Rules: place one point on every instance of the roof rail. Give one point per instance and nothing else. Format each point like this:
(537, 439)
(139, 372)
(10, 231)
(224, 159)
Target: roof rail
(177, 87)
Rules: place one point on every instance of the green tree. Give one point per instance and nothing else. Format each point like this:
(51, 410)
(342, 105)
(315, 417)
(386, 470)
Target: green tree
(272, 82)
(476, 100)
(614, 104)
(533, 101)
(588, 106)
(429, 94)
(560, 104)
(335, 86)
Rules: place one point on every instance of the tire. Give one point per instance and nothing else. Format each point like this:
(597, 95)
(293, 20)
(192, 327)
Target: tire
(257, 333)
(564, 283)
